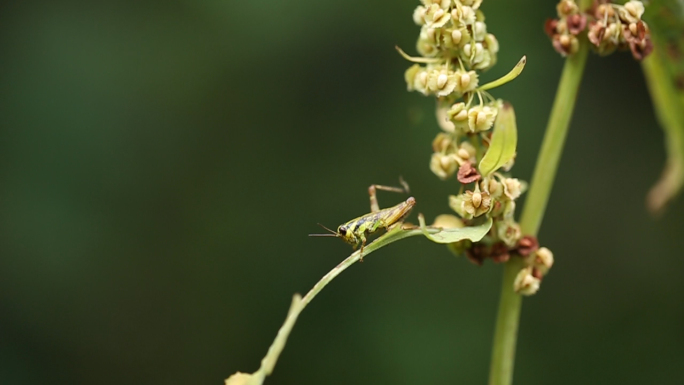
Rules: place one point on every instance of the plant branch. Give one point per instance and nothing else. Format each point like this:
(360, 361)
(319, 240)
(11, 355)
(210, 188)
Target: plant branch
(508, 318)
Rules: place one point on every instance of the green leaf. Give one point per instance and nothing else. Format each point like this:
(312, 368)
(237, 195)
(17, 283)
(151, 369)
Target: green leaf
(663, 70)
(503, 143)
(473, 233)
(506, 78)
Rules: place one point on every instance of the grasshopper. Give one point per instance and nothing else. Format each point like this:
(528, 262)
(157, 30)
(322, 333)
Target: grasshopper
(355, 231)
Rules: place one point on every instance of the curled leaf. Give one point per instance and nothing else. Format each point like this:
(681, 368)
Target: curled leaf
(451, 235)
(503, 143)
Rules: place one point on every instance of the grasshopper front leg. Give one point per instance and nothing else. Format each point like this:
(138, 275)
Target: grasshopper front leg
(363, 244)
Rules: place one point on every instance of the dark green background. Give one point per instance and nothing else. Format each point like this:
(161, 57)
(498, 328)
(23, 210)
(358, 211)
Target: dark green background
(162, 163)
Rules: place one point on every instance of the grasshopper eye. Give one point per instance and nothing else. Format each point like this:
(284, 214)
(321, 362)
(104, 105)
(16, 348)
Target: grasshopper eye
(342, 230)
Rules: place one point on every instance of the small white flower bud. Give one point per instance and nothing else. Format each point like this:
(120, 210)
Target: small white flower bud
(475, 4)
(477, 199)
(438, 13)
(512, 188)
(442, 80)
(475, 202)
(422, 78)
(458, 115)
(435, 17)
(566, 8)
(442, 143)
(481, 118)
(479, 31)
(492, 43)
(612, 32)
(476, 55)
(467, 15)
(464, 80)
(635, 8)
(446, 162)
(463, 154)
(525, 283)
(456, 36)
(468, 147)
(494, 188)
(509, 231)
(543, 260)
(419, 15)
(467, 49)
(443, 165)
(564, 40)
(633, 28)
(430, 34)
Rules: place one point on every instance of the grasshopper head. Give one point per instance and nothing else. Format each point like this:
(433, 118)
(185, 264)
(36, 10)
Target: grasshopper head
(347, 235)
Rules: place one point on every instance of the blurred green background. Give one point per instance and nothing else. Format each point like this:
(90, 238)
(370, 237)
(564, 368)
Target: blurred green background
(162, 163)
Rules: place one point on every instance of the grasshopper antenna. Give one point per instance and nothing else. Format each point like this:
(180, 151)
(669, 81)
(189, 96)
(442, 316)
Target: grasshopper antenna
(404, 185)
(333, 233)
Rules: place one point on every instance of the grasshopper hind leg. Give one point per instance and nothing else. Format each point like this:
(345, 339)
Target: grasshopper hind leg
(372, 191)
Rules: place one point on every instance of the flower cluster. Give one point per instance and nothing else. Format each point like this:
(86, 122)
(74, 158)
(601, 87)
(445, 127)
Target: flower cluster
(564, 30)
(609, 27)
(537, 264)
(455, 47)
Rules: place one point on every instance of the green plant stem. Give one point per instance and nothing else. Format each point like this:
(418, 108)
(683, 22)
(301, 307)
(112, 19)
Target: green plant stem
(506, 329)
(668, 108)
(552, 146)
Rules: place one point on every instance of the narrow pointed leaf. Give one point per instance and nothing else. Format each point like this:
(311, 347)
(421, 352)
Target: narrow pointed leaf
(506, 78)
(503, 143)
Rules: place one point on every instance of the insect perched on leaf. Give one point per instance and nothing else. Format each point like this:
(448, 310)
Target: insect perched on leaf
(355, 231)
